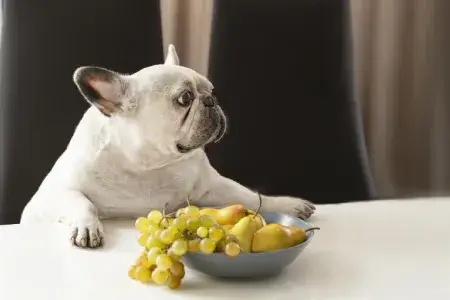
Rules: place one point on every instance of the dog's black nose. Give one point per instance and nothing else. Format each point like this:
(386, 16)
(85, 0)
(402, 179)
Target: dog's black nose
(209, 100)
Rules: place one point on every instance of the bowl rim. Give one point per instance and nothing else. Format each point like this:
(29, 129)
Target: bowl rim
(309, 236)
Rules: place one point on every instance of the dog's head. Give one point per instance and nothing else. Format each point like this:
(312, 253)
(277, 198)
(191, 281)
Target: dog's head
(171, 107)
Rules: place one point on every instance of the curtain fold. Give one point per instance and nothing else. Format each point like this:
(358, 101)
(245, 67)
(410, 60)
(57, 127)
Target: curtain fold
(399, 59)
(402, 66)
(187, 25)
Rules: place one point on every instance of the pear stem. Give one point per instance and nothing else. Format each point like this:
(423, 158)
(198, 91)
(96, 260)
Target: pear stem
(259, 208)
(312, 228)
(188, 202)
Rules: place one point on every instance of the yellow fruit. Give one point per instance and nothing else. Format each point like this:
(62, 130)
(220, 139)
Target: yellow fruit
(276, 237)
(207, 246)
(132, 272)
(177, 269)
(160, 276)
(229, 215)
(232, 249)
(227, 227)
(142, 224)
(143, 274)
(174, 282)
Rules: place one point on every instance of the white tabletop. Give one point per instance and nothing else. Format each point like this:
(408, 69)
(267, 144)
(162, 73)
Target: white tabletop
(376, 250)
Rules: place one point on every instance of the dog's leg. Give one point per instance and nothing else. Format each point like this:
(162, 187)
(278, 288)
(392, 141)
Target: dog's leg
(216, 190)
(69, 207)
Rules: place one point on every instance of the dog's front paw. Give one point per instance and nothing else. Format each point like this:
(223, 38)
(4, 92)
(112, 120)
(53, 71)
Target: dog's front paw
(87, 234)
(296, 207)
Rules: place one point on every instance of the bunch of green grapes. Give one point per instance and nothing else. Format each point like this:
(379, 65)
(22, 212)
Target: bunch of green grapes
(166, 239)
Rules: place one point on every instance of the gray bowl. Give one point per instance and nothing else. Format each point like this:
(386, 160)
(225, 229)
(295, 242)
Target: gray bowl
(251, 265)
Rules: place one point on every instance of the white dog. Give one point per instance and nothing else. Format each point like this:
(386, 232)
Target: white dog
(138, 147)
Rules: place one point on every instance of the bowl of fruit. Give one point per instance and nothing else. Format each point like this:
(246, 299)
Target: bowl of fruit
(228, 242)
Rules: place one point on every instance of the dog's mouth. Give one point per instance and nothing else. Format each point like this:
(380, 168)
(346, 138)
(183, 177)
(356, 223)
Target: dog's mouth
(183, 149)
(221, 130)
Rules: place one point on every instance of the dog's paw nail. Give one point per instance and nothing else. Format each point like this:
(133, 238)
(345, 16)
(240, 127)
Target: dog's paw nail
(87, 235)
(304, 212)
(93, 243)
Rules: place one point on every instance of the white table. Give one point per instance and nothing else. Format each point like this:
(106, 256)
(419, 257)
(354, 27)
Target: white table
(378, 250)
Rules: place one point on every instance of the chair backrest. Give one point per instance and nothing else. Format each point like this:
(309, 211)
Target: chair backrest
(43, 42)
(283, 75)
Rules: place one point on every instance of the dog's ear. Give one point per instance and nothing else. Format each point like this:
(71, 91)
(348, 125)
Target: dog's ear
(102, 88)
(172, 56)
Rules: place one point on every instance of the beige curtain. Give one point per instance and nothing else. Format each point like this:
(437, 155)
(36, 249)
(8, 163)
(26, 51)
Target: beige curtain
(187, 25)
(400, 58)
(402, 64)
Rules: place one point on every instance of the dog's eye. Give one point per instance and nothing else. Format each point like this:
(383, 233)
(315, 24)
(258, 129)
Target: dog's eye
(186, 99)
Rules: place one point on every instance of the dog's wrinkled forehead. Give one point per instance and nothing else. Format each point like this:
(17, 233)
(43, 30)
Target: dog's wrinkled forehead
(166, 78)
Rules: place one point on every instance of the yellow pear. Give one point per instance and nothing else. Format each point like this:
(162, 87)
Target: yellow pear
(276, 237)
(229, 215)
(260, 221)
(212, 212)
(227, 228)
(244, 231)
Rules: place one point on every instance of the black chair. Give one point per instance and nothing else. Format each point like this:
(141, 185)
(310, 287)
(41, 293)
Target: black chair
(283, 75)
(43, 42)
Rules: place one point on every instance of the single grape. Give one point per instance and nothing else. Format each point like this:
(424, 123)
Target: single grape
(177, 269)
(172, 255)
(174, 282)
(152, 254)
(192, 211)
(232, 249)
(207, 246)
(143, 261)
(194, 245)
(179, 247)
(154, 241)
(143, 239)
(202, 232)
(143, 274)
(173, 229)
(220, 246)
(180, 223)
(132, 272)
(230, 238)
(152, 228)
(163, 261)
(142, 224)
(160, 276)
(216, 233)
(138, 261)
(192, 225)
(207, 221)
(155, 216)
(167, 236)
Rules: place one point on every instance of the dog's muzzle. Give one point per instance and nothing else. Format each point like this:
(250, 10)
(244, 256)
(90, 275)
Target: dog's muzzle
(211, 104)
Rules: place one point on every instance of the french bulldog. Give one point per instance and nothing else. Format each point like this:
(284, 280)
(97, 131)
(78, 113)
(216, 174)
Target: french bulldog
(140, 147)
